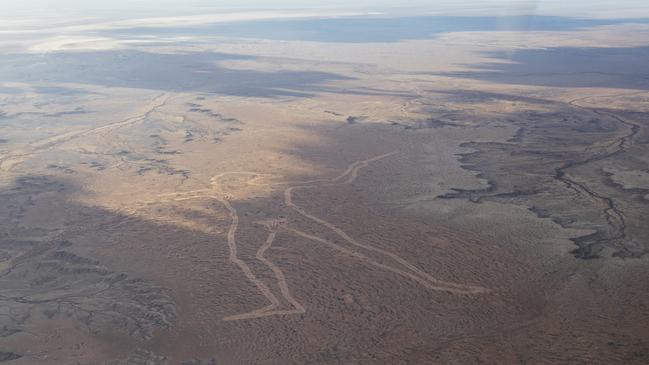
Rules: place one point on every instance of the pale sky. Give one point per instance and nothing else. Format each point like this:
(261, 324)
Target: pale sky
(124, 9)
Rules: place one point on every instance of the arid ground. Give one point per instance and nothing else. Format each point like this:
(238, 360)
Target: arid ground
(229, 194)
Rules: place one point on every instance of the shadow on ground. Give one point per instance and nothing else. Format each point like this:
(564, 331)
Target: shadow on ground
(372, 29)
(625, 68)
(193, 71)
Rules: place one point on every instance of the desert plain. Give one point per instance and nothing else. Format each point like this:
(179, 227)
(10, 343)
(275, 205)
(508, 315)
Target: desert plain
(338, 190)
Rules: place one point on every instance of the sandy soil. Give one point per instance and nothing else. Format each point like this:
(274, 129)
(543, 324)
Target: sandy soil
(473, 198)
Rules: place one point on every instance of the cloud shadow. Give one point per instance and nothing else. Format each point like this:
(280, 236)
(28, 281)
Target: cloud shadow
(625, 67)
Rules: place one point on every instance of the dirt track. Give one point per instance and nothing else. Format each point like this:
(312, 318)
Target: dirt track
(398, 265)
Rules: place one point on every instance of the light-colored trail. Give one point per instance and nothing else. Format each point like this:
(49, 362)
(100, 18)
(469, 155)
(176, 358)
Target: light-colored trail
(281, 280)
(270, 309)
(403, 267)
(232, 245)
(435, 284)
(447, 287)
(279, 275)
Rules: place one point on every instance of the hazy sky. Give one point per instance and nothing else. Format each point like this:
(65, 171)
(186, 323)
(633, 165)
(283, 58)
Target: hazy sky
(152, 8)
